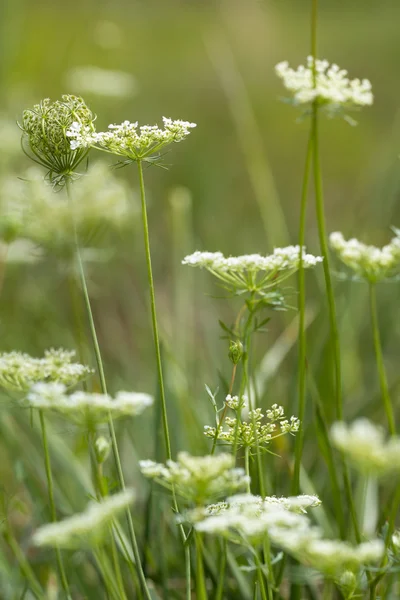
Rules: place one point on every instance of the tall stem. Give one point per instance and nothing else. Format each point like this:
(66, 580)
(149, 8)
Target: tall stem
(159, 363)
(153, 310)
(379, 360)
(201, 589)
(103, 385)
(302, 331)
(53, 512)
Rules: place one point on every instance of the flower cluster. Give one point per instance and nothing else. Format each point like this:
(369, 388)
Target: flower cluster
(198, 479)
(102, 203)
(45, 129)
(253, 272)
(368, 262)
(248, 434)
(326, 84)
(248, 518)
(83, 408)
(128, 139)
(236, 403)
(18, 371)
(363, 443)
(88, 528)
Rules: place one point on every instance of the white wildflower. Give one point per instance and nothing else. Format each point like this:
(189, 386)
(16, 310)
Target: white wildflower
(330, 87)
(128, 139)
(252, 272)
(86, 409)
(363, 443)
(20, 371)
(198, 479)
(255, 431)
(88, 528)
(368, 262)
(235, 403)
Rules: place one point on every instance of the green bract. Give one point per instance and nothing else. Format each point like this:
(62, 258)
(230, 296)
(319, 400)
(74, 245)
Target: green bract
(44, 135)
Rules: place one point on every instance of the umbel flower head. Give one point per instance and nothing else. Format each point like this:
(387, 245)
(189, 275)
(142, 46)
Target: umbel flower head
(326, 84)
(18, 371)
(368, 262)
(128, 139)
(364, 444)
(253, 272)
(85, 409)
(45, 138)
(198, 479)
(86, 529)
(249, 434)
(246, 519)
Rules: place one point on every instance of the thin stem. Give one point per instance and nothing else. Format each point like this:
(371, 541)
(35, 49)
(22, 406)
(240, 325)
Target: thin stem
(28, 573)
(153, 311)
(53, 513)
(247, 466)
(222, 419)
(302, 330)
(379, 360)
(117, 569)
(201, 589)
(221, 572)
(158, 361)
(103, 385)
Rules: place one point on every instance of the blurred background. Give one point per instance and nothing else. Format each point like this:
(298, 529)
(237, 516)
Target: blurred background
(233, 185)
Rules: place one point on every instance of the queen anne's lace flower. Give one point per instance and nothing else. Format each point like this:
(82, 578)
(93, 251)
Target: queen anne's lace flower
(83, 408)
(128, 139)
(252, 272)
(368, 262)
(330, 87)
(198, 479)
(45, 129)
(88, 528)
(363, 443)
(20, 371)
(248, 434)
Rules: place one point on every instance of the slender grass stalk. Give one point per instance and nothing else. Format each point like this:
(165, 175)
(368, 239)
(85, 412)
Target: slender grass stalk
(53, 512)
(247, 466)
(103, 385)
(201, 589)
(302, 325)
(222, 571)
(24, 565)
(153, 310)
(159, 362)
(260, 580)
(379, 360)
(117, 568)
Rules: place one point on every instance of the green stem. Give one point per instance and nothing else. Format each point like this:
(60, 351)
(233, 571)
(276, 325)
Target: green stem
(201, 589)
(24, 565)
(260, 578)
(379, 360)
(53, 513)
(302, 330)
(247, 466)
(153, 311)
(117, 568)
(222, 570)
(103, 385)
(222, 419)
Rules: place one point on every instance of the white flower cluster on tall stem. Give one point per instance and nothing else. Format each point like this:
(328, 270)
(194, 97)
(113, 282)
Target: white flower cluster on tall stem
(252, 272)
(86, 529)
(248, 434)
(326, 84)
(246, 519)
(86, 409)
(364, 444)
(198, 479)
(18, 371)
(128, 139)
(368, 262)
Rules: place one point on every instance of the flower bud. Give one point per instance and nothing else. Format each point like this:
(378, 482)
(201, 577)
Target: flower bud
(102, 449)
(235, 351)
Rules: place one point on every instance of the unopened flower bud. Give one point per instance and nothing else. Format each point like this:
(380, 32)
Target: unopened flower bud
(235, 351)
(102, 448)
